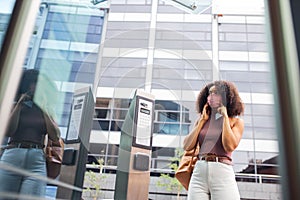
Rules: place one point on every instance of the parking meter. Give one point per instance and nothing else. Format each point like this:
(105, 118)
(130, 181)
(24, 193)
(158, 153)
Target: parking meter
(133, 171)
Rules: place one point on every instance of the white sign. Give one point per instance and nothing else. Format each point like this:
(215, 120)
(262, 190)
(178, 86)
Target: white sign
(144, 122)
(76, 115)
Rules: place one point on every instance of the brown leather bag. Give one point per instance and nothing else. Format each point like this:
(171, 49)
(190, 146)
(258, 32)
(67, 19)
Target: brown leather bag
(189, 159)
(54, 157)
(186, 167)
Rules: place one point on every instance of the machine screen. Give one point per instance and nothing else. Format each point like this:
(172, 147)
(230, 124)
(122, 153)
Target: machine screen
(144, 122)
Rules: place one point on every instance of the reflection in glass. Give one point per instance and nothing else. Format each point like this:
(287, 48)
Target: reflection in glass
(6, 8)
(32, 118)
(64, 45)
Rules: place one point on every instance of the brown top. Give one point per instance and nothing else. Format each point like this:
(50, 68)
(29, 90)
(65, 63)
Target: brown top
(210, 138)
(31, 127)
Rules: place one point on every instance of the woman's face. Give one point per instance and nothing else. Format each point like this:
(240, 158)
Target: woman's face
(214, 99)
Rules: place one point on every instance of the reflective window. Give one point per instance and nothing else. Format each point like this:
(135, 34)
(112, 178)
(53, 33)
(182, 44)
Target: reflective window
(188, 51)
(164, 50)
(61, 59)
(6, 8)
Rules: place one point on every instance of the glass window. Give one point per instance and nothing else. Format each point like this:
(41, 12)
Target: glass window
(6, 8)
(182, 54)
(61, 59)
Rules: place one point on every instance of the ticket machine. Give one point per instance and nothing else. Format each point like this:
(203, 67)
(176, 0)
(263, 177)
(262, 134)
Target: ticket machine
(77, 144)
(133, 171)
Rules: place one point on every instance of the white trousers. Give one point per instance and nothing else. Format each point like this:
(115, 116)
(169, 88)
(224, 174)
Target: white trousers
(213, 181)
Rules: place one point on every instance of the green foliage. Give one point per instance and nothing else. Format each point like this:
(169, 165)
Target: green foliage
(94, 179)
(176, 159)
(171, 183)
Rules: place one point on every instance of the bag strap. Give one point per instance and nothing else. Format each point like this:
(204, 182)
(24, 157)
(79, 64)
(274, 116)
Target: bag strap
(196, 150)
(193, 156)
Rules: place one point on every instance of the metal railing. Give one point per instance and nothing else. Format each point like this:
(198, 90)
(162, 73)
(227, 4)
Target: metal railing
(258, 178)
(241, 177)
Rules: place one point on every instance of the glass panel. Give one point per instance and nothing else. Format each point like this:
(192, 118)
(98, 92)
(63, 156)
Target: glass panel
(65, 47)
(101, 125)
(61, 59)
(238, 37)
(167, 128)
(119, 114)
(256, 157)
(102, 113)
(6, 8)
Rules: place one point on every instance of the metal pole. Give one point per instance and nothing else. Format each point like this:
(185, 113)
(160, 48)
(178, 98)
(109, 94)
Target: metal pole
(285, 74)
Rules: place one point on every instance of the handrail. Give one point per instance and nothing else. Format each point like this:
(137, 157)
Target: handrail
(170, 171)
(259, 176)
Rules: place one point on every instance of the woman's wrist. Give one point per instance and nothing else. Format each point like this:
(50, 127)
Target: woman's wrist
(226, 120)
(203, 117)
(226, 116)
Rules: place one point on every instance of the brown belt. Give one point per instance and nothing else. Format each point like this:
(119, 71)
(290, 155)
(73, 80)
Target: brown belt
(215, 158)
(23, 145)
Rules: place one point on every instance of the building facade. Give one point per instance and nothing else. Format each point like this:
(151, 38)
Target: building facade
(173, 54)
(118, 46)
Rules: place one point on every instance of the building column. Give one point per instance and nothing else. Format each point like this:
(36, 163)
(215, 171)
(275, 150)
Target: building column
(151, 44)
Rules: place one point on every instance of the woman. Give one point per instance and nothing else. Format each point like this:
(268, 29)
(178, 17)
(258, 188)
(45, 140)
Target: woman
(30, 121)
(218, 132)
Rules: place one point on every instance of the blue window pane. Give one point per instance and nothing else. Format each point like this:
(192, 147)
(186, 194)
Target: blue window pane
(165, 128)
(101, 125)
(93, 38)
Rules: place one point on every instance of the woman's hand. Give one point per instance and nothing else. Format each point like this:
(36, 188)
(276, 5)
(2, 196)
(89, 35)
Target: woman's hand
(223, 111)
(205, 112)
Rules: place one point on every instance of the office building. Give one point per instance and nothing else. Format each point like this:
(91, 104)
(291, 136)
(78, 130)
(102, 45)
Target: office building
(118, 46)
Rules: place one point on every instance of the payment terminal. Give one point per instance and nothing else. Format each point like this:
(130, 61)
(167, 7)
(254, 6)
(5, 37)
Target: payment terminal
(133, 171)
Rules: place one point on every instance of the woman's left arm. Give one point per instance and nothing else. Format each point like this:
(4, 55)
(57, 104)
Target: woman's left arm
(231, 134)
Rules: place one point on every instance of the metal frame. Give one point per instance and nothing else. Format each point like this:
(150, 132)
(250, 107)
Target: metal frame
(285, 72)
(13, 53)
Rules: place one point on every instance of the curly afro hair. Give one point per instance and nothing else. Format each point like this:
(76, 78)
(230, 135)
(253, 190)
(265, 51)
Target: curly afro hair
(230, 98)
